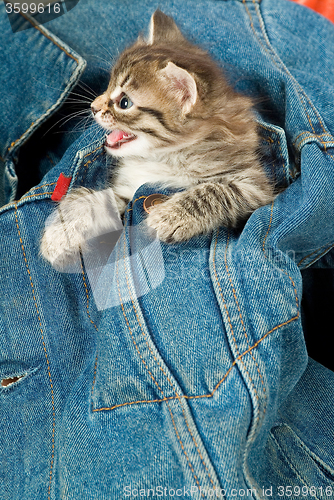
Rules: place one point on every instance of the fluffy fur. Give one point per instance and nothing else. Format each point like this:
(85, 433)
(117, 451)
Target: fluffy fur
(172, 119)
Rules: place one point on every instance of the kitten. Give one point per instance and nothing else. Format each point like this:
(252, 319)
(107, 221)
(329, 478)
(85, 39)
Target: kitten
(171, 119)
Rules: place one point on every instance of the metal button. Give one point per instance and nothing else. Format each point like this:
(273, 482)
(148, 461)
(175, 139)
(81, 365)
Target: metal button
(152, 200)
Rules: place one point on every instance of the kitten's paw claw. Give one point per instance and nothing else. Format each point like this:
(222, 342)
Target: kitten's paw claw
(172, 223)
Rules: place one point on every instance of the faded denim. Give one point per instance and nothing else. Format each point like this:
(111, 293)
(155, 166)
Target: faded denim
(201, 387)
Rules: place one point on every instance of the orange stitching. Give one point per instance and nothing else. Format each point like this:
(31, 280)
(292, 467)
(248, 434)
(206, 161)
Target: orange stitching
(196, 445)
(263, 249)
(88, 162)
(92, 161)
(145, 364)
(160, 367)
(92, 152)
(42, 185)
(306, 131)
(34, 195)
(45, 352)
(242, 322)
(141, 328)
(229, 320)
(314, 140)
(271, 52)
(200, 396)
(134, 201)
(305, 96)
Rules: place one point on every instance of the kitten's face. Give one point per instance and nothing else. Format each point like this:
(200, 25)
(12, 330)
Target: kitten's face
(141, 113)
(149, 99)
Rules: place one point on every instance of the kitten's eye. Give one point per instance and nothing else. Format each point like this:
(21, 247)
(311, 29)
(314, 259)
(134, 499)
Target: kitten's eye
(125, 102)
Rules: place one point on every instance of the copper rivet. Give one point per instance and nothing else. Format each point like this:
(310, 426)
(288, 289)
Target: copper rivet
(152, 200)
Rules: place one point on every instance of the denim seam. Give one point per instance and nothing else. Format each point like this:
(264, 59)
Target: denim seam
(285, 69)
(92, 322)
(288, 461)
(236, 359)
(176, 395)
(87, 294)
(304, 258)
(170, 383)
(228, 315)
(269, 226)
(271, 141)
(45, 352)
(47, 36)
(229, 320)
(321, 464)
(134, 201)
(168, 379)
(257, 413)
(65, 90)
(318, 255)
(49, 193)
(50, 159)
(88, 163)
(13, 204)
(280, 65)
(264, 253)
(201, 396)
(20, 376)
(313, 137)
(151, 375)
(41, 186)
(243, 324)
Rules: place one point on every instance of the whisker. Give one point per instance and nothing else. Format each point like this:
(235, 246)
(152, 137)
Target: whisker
(71, 116)
(86, 88)
(65, 119)
(77, 101)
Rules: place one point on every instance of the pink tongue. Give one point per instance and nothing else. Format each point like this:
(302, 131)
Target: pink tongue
(115, 136)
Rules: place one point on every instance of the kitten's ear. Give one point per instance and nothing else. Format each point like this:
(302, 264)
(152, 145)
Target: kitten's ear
(182, 83)
(163, 29)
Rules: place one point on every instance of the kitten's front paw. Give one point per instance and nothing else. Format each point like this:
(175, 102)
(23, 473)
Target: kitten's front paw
(61, 244)
(172, 222)
(64, 234)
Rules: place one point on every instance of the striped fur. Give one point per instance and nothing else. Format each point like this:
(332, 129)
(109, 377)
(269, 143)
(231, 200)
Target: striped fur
(176, 122)
(193, 131)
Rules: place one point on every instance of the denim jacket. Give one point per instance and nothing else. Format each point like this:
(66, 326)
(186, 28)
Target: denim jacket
(197, 384)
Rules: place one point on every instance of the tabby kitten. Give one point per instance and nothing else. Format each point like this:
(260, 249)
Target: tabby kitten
(171, 119)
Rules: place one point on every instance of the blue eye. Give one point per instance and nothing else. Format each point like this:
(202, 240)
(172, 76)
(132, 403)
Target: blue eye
(125, 102)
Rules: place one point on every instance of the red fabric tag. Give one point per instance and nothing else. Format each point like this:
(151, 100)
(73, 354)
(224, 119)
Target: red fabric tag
(61, 187)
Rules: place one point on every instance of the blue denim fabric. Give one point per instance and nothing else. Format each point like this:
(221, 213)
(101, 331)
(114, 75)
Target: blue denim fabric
(201, 387)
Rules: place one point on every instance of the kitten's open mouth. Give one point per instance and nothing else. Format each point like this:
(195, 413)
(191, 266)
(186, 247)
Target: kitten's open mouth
(117, 138)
